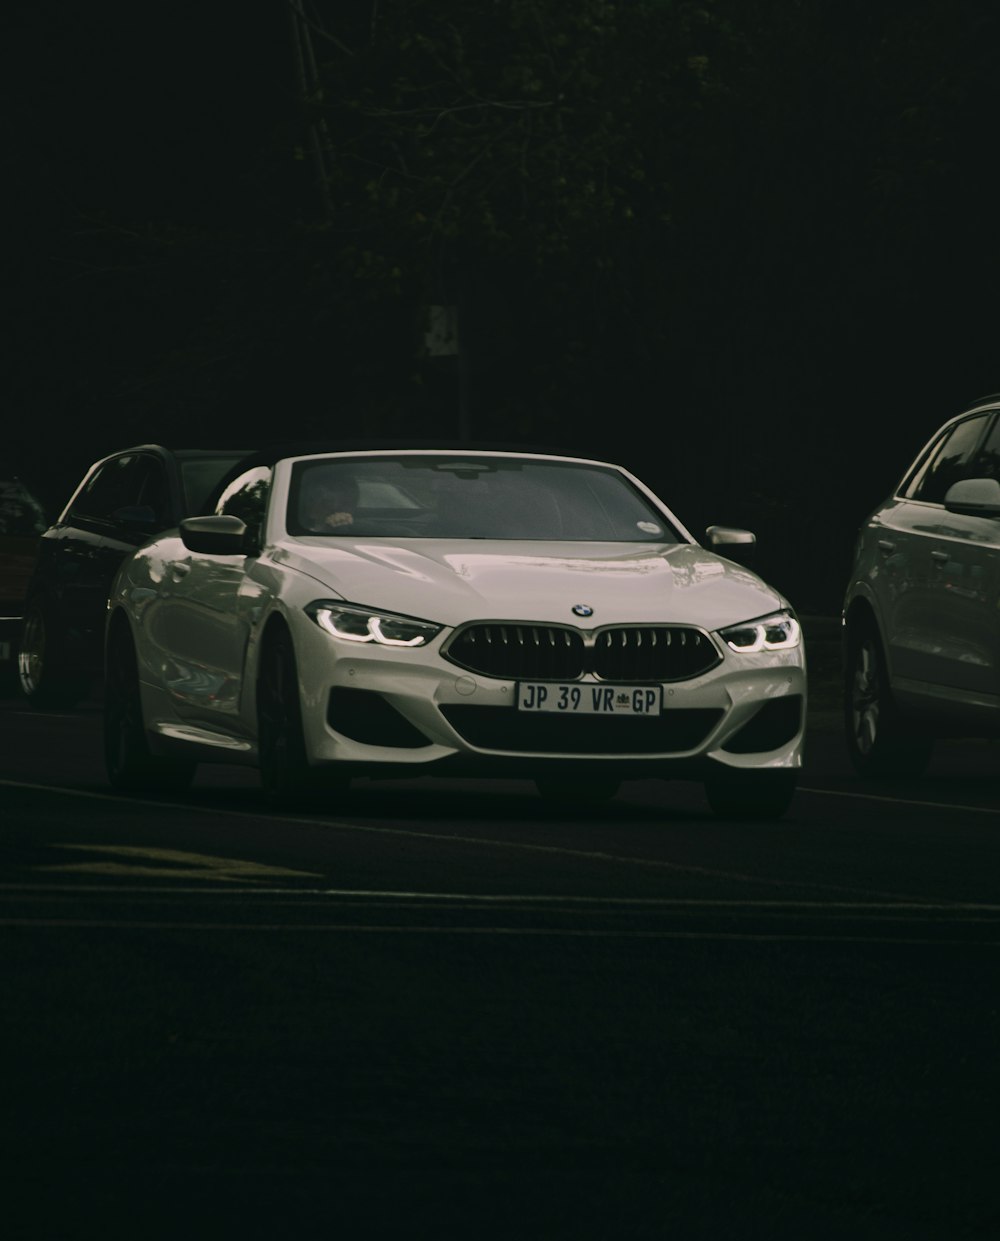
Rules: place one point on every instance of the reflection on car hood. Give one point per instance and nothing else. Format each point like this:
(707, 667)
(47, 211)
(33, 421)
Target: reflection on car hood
(452, 581)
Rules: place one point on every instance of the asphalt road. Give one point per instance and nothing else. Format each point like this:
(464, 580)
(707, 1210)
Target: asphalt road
(440, 1009)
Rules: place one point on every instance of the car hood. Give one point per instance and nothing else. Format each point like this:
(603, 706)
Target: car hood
(450, 581)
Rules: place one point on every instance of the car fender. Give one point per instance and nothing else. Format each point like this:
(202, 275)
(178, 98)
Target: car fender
(283, 594)
(862, 606)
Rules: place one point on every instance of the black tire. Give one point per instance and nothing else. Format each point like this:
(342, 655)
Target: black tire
(43, 673)
(285, 774)
(577, 793)
(879, 741)
(751, 795)
(130, 765)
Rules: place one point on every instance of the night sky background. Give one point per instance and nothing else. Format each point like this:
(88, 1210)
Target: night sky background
(748, 249)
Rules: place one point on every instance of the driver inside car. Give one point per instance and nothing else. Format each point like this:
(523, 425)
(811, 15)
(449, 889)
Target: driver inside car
(328, 501)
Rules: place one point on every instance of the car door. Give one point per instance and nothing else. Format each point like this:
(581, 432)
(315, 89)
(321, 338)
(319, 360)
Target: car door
(123, 502)
(204, 609)
(964, 586)
(942, 618)
(22, 523)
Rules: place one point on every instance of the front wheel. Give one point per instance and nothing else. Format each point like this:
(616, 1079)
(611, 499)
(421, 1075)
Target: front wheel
(285, 774)
(879, 742)
(751, 795)
(131, 766)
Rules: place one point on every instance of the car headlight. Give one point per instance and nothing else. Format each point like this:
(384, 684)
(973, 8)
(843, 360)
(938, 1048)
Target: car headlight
(779, 632)
(353, 623)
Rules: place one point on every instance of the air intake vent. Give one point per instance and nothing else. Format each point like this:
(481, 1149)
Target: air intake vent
(501, 728)
(774, 725)
(365, 716)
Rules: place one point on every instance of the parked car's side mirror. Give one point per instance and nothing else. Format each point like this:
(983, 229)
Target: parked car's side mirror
(215, 536)
(976, 497)
(733, 543)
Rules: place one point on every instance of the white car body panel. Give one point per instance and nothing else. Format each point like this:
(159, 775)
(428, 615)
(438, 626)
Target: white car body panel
(198, 621)
(447, 581)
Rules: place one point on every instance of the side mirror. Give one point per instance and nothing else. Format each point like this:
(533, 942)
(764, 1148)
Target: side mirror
(733, 543)
(215, 536)
(977, 497)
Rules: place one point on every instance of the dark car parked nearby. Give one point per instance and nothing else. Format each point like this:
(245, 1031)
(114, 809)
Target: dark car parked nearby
(22, 521)
(123, 500)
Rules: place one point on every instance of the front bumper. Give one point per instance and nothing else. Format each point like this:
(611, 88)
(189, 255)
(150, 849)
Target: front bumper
(436, 718)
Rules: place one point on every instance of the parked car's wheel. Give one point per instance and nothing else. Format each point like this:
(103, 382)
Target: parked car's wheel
(879, 740)
(44, 675)
(577, 793)
(757, 795)
(285, 774)
(130, 765)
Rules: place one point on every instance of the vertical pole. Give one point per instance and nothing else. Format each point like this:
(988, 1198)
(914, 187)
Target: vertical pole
(307, 73)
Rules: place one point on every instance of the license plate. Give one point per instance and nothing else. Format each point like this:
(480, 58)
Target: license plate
(590, 699)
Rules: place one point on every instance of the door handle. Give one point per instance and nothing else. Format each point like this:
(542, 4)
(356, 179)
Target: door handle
(884, 545)
(940, 557)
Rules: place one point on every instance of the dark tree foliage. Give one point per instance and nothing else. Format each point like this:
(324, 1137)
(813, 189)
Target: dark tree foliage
(518, 131)
(747, 247)
(515, 160)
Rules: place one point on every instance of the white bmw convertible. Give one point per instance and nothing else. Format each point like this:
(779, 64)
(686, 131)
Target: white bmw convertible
(435, 612)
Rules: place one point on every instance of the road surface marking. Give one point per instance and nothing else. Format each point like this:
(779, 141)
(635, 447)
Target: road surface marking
(193, 865)
(587, 855)
(511, 932)
(900, 801)
(368, 896)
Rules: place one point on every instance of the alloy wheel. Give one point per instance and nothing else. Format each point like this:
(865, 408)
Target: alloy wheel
(865, 696)
(285, 773)
(31, 652)
(880, 741)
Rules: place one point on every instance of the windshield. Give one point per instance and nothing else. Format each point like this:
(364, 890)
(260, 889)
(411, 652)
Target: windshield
(470, 497)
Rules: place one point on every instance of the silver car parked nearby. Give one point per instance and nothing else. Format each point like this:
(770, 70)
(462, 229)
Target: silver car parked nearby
(922, 609)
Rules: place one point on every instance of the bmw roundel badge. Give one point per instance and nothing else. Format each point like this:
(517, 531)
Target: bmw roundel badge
(582, 609)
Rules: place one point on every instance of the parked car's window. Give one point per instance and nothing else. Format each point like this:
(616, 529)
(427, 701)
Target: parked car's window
(152, 492)
(113, 486)
(987, 462)
(948, 462)
(134, 480)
